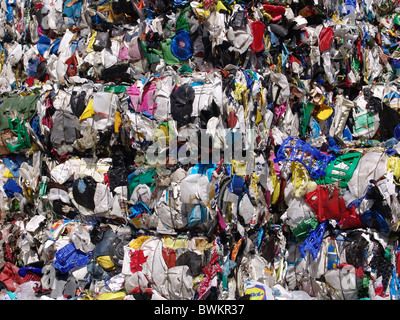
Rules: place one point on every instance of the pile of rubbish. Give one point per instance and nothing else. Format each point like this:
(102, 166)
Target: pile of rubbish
(199, 150)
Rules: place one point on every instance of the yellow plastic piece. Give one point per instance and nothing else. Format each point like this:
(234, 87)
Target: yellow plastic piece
(88, 112)
(393, 165)
(91, 42)
(174, 243)
(302, 183)
(220, 6)
(138, 242)
(324, 112)
(239, 88)
(239, 167)
(261, 96)
(7, 174)
(107, 11)
(258, 117)
(112, 296)
(253, 183)
(275, 184)
(106, 263)
(202, 13)
(118, 121)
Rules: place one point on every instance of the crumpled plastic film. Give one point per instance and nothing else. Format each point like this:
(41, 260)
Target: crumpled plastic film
(199, 150)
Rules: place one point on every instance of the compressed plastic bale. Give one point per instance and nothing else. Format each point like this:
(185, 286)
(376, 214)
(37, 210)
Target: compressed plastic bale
(340, 53)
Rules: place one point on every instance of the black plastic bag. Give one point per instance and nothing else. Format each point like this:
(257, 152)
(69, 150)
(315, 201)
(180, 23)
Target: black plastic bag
(83, 191)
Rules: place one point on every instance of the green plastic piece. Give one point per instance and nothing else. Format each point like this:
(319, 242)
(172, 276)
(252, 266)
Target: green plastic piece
(143, 178)
(166, 53)
(43, 188)
(185, 68)
(150, 56)
(17, 104)
(363, 289)
(363, 121)
(335, 173)
(19, 128)
(14, 205)
(182, 23)
(302, 230)
(396, 19)
(307, 111)
(116, 89)
(387, 255)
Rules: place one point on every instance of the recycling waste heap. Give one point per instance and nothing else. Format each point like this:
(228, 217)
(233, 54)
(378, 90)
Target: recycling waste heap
(186, 150)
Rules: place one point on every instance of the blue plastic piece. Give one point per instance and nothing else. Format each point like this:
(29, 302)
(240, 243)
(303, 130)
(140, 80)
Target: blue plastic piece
(316, 129)
(81, 186)
(204, 169)
(333, 146)
(373, 219)
(10, 15)
(249, 80)
(315, 161)
(333, 259)
(313, 241)
(138, 209)
(73, 12)
(394, 286)
(13, 164)
(35, 125)
(11, 187)
(32, 66)
(24, 270)
(43, 45)
(347, 136)
(350, 6)
(181, 45)
(236, 185)
(198, 215)
(68, 258)
(396, 132)
(228, 266)
(260, 235)
(274, 39)
(389, 144)
(54, 46)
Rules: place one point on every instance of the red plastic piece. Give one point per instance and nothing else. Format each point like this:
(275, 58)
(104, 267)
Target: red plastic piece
(276, 12)
(257, 30)
(327, 204)
(325, 39)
